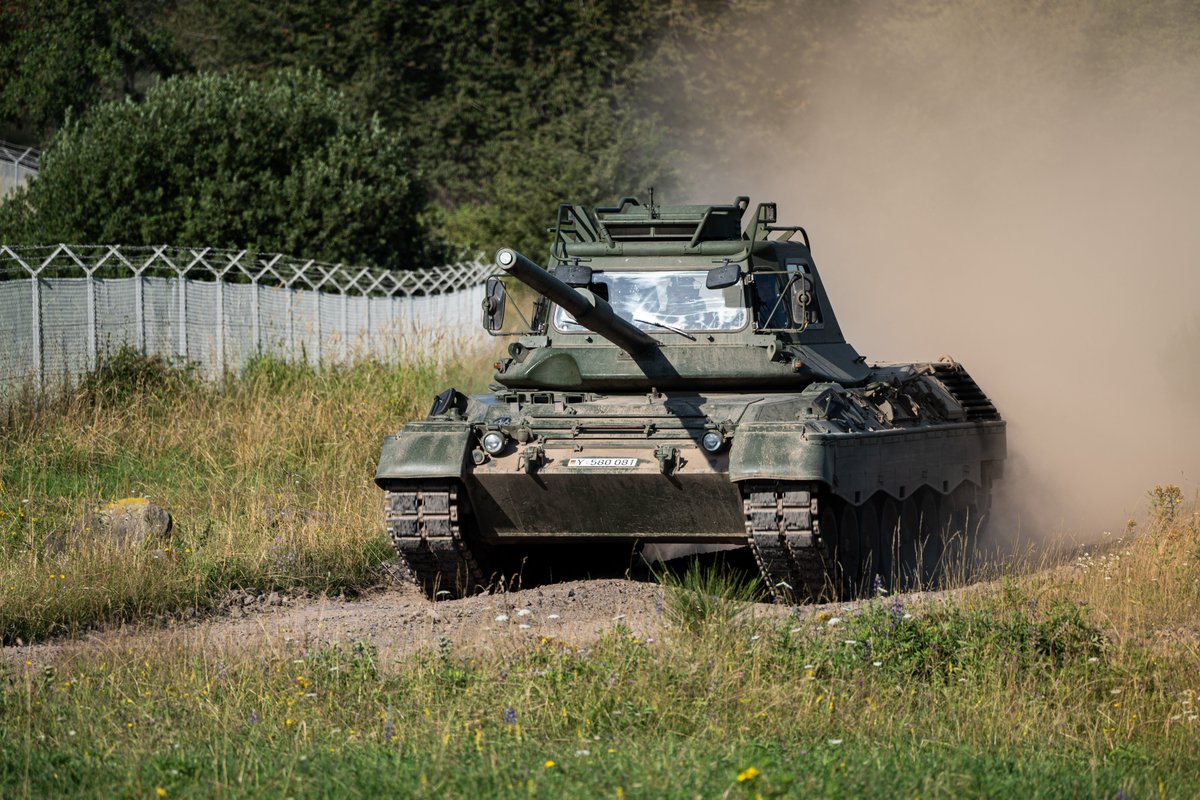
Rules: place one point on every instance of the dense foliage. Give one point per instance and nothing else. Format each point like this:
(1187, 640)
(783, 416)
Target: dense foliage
(511, 108)
(59, 55)
(282, 165)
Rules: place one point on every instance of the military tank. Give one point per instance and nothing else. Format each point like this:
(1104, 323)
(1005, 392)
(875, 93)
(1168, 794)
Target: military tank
(677, 377)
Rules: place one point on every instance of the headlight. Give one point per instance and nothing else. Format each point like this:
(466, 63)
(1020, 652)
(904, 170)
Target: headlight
(493, 442)
(712, 441)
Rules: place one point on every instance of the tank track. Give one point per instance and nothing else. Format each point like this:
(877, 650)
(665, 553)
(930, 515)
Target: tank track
(423, 520)
(783, 534)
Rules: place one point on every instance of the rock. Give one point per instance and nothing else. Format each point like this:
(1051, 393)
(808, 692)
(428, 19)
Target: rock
(274, 599)
(131, 523)
(134, 522)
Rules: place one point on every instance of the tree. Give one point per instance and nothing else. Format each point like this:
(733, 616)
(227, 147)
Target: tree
(62, 55)
(282, 164)
(511, 108)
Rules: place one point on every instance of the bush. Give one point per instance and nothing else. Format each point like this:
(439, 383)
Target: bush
(282, 165)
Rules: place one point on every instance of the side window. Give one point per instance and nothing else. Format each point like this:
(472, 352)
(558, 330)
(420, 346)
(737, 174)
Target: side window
(769, 312)
(802, 297)
(786, 299)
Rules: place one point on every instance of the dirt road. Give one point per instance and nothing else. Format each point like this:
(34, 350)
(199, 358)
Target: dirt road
(396, 621)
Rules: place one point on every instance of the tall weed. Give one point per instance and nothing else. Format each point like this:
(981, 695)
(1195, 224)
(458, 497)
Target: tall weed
(708, 596)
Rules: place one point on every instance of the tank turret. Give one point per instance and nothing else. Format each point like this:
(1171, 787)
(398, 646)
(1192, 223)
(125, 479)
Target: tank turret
(669, 297)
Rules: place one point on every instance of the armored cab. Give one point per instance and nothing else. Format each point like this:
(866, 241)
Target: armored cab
(678, 374)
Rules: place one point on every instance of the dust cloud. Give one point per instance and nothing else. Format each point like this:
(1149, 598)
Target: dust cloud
(1016, 185)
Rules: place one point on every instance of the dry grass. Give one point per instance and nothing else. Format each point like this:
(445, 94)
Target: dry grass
(268, 476)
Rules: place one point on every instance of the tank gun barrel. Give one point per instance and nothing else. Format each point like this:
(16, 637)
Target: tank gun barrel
(590, 311)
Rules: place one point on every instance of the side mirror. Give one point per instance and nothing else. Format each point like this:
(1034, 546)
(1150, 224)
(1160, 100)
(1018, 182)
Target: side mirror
(493, 305)
(723, 276)
(450, 402)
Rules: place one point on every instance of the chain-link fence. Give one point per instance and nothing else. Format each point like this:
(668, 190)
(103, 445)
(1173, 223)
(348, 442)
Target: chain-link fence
(17, 165)
(63, 307)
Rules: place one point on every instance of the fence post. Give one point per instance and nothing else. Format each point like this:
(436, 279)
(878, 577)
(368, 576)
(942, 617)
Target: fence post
(317, 317)
(139, 321)
(291, 324)
(393, 335)
(183, 344)
(345, 327)
(221, 326)
(254, 333)
(367, 321)
(38, 365)
(93, 345)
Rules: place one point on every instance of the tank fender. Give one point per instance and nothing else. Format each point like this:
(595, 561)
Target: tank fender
(769, 451)
(423, 450)
(855, 466)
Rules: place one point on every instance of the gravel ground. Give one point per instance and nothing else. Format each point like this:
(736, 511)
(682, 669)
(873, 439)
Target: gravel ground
(401, 620)
(396, 621)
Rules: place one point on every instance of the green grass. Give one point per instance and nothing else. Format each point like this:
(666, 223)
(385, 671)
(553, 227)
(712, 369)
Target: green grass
(1001, 699)
(1078, 680)
(268, 476)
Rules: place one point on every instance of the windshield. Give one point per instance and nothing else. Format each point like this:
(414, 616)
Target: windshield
(654, 300)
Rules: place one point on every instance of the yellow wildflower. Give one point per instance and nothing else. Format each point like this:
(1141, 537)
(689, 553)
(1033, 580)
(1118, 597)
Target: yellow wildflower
(548, 764)
(748, 774)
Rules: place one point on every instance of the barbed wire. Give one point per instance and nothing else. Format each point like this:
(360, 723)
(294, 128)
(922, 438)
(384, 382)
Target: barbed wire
(25, 157)
(235, 266)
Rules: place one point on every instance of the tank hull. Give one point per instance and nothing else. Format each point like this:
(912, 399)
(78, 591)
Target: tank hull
(626, 469)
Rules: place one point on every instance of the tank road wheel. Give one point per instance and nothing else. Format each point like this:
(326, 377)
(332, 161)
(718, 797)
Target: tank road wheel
(956, 535)
(871, 535)
(425, 523)
(929, 539)
(849, 552)
(889, 540)
(831, 537)
(979, 508)
(906, 569)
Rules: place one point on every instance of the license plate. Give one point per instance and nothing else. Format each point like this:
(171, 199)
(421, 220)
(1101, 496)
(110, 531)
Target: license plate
(602, 462)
